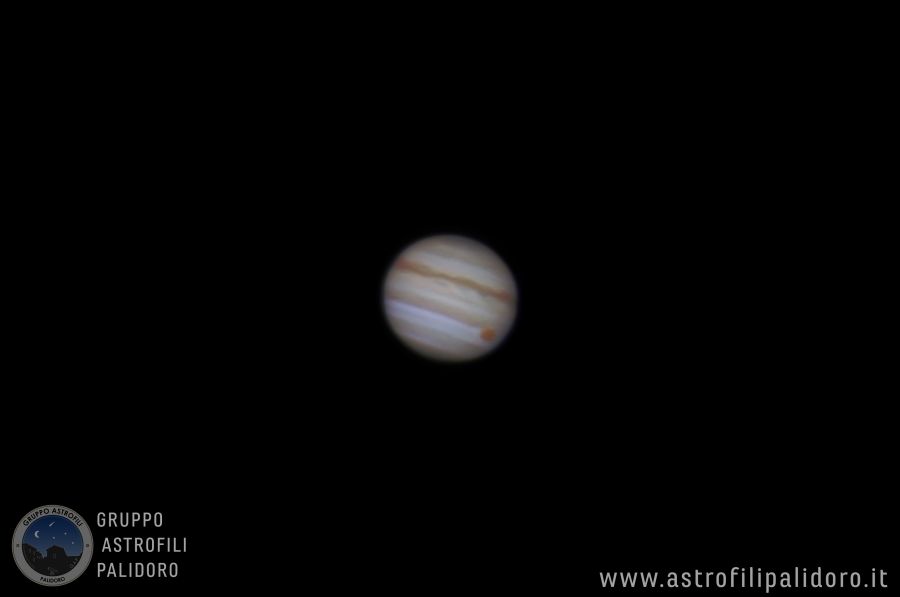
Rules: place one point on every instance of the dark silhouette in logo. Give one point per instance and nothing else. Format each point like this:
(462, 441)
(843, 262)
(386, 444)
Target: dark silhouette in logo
(50, 554)
(55, 563)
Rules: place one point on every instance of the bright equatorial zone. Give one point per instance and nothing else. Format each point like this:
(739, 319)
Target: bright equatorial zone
(48, 531)
(450, 298)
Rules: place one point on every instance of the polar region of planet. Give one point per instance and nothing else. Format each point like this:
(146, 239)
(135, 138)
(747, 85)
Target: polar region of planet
(450, 298)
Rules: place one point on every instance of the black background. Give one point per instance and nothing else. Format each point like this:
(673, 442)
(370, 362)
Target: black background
(200, 221)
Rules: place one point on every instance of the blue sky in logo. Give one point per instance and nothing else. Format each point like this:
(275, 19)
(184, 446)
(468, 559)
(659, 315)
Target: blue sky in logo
(54, 530)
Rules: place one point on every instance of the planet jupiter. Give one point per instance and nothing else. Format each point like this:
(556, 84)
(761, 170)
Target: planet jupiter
(450, 298)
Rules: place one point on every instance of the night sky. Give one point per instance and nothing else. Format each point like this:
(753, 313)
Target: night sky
(62, 533)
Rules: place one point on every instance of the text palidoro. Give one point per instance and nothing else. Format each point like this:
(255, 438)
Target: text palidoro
(142, 545)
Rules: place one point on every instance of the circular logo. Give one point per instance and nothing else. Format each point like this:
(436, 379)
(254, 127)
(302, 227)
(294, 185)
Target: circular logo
(52, 545)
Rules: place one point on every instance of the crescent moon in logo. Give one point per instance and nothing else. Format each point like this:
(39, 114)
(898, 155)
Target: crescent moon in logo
(36, 536)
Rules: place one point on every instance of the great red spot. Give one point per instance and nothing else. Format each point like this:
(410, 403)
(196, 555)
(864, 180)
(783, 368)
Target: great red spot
(488, 334)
